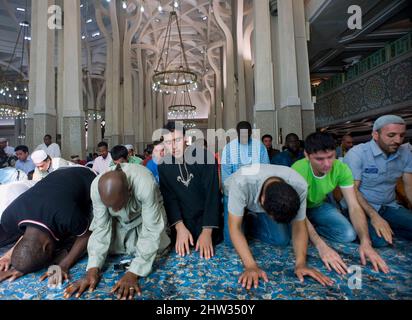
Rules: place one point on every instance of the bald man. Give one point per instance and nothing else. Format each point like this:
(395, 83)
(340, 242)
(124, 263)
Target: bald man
(128, 218)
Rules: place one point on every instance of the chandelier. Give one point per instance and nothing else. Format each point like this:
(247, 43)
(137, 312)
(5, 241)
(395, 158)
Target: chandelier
(182, 107)
(94, 115)
(189, 125)
(9, 112)
(167, 77)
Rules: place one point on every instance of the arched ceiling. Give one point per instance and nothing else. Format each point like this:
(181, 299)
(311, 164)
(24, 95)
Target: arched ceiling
(196, 17)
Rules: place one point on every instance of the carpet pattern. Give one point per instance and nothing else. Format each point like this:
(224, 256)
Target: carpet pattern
(187, 278)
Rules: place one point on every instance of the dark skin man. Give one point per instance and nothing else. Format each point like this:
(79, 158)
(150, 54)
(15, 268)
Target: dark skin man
(115, 194)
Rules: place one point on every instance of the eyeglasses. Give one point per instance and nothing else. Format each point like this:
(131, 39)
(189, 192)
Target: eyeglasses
(174, 141)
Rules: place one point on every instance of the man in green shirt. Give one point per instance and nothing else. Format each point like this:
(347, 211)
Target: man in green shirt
(128, 218)
(324, 173)
(132, 158)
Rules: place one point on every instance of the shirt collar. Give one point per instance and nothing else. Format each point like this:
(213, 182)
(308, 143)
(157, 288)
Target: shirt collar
(377, 151)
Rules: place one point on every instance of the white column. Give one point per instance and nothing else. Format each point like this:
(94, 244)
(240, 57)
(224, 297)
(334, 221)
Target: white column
(42, 109)
(289, 111)
(229, 109)
(73, 139)
(264, 86)
(241, 87)
(302, 58)
(60, 73)
(289, 94)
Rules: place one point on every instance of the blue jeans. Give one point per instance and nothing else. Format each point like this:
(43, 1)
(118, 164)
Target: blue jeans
(259, 226)
(400, 221)
(330, 223)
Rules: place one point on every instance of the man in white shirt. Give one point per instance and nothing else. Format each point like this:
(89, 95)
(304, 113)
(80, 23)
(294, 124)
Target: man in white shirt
(52, 149)
(45, 164)
(7, 149)
(102, 163)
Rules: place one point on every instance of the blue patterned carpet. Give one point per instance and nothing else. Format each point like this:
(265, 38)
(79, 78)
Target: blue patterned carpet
(189, 278)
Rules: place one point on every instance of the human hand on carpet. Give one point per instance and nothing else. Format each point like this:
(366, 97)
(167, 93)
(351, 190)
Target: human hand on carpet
(302, 271)
(382, 228)
(5, 262)
(250, 277)
(90, 281)
(331, 259)
(127, 287)
(366, 252)
(205, 244)
(183, 239)
(11, 274)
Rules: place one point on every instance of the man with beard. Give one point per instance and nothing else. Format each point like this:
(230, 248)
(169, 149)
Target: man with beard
(376, 167)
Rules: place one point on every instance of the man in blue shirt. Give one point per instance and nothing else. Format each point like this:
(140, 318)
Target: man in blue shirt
(157, 156)
(238, 153)
(24, 163)
(242, 151)
(292, 153)
(376, 167)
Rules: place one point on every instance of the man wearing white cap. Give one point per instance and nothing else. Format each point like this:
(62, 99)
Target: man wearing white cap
(132, 158)
(7, 149)
(376, 167)
(52, 149)
(44, 164)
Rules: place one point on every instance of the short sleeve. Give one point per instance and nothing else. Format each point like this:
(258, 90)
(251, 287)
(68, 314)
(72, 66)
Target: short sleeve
(237, 201)
(301, 187)
(79, 224)
(345, 177)
(408, 162)
(354, 162)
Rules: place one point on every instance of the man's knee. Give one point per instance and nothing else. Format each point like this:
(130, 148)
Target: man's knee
(281, 241)
(348, 235)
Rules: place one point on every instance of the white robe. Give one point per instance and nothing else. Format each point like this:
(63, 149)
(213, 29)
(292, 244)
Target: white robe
(52, 150)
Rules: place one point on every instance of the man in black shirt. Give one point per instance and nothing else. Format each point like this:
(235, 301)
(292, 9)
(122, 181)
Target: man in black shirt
(191, 194)
(53, 211)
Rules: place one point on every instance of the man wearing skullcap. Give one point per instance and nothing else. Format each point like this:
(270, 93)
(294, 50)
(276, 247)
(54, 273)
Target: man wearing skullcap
(44, 164)
(376, 167)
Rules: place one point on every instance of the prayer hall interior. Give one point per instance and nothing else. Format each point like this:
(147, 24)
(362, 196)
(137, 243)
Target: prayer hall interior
(94, 95)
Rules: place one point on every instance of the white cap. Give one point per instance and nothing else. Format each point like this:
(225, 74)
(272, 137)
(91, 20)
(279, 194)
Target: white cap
(129, 147)
(38, 156)
(3, 140)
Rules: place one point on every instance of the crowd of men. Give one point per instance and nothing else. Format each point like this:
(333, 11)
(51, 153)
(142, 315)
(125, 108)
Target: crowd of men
(312, 192)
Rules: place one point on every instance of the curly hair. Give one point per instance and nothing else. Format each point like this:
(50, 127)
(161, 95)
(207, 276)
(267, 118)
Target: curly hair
(281, 202)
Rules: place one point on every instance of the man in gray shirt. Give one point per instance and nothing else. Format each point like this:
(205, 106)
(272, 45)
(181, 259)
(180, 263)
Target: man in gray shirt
(275, 197)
